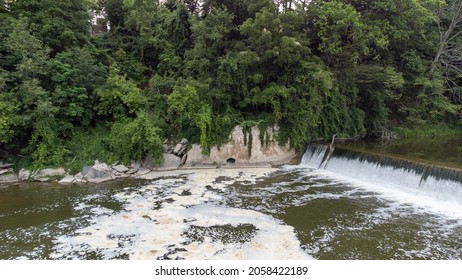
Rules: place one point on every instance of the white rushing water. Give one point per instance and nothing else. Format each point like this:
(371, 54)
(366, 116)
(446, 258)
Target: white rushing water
(415, 183)
(181, 218)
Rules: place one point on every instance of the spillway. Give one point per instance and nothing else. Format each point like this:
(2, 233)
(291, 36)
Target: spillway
(416, 178)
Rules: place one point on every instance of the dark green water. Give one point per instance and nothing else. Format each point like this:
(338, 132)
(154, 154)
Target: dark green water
(292, 212)
(337, 220)
(445, 151)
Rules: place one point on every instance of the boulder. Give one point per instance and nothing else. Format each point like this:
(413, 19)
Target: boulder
(79, 177)
(48, 174)
(184, 159)
(100, 172)
(134, 167)
(170, 162)
(148, 163)
(8, 178)
(181, 148)
(5, 171)
(23, 175)
(67, 180)
(120, 168)
(85, 170)
(178, 149)
(143, 171)
(5, 165)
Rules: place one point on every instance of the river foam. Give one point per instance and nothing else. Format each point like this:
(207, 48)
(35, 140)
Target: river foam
(181, 215)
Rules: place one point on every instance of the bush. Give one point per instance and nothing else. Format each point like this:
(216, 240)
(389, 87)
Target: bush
(135, 138)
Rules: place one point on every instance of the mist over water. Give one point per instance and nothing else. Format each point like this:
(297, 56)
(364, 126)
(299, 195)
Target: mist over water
(348, 209)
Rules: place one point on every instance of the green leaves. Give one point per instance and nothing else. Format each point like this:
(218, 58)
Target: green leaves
(119, 97)
(198, 68)
(8, 110)
(185, 107)
(134, 138)
(58, 24)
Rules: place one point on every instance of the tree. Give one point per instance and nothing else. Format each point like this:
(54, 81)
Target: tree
(58, 24)
(119, 97)
(186, 108)
(75, 74)
(449, 51)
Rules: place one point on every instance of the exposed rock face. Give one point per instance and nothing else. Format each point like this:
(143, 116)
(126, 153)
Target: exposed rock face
(237, 150)
(243, 148)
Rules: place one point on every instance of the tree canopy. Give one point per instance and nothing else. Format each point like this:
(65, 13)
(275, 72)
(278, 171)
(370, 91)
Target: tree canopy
(195, 69)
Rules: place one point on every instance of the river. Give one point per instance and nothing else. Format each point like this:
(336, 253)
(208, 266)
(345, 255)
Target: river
(352, 207)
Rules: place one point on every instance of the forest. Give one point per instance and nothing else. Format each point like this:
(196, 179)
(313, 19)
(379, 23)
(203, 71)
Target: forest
(70, 94)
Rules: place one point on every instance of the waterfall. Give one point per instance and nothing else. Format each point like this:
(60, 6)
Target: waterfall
(416, 178)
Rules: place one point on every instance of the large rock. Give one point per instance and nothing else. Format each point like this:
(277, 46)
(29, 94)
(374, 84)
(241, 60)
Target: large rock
(170, 162)
(68, 180)
(8, 178)
(49, 174)
(134, 167)
(23, 174)
(181, 148)
(120, 168)
(100, 172)
(5, 171)
(5, 165)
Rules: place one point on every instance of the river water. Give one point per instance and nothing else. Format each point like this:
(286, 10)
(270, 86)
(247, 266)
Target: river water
(347, 209)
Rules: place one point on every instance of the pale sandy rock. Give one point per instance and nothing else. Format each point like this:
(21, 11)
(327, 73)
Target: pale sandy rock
(148, 163)
(134, 166)
(170, 162)
(179, 148)
(143, 171)
(8, 178)
(23, 174)
(5, 165)
(236, 151)
(120, 168)
(184, 159)
(49, 174)
(69, 179)
(100, 172)
(79, 177)
(5, 171)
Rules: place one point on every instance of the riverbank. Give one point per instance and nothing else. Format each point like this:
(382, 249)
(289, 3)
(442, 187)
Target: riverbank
(244, 150)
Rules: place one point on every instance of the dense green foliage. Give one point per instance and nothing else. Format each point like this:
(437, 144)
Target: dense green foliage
(196, 69)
